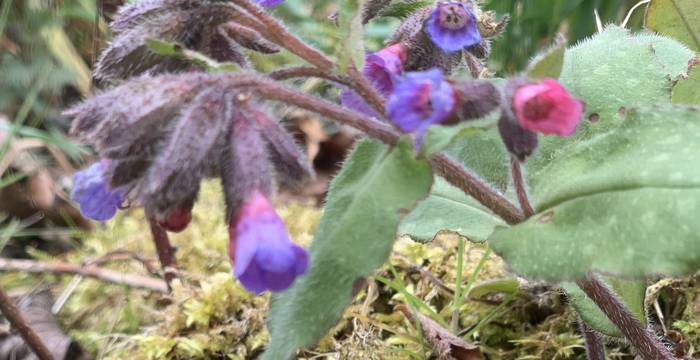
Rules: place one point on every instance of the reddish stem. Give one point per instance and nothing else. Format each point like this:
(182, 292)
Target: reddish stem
(595, 348)
(647, 344)
(520, 188)
(166, 253)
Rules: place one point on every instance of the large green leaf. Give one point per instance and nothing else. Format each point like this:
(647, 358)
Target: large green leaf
(613, 71)
(449, 208)
(687, 90)
(679, 19)
(366, 202)
(631, 292)
(623, 202)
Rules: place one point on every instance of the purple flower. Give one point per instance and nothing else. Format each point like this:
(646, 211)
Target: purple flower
(90, 190)
(453, 26)
(269, 3)
(263, 255)
(381, 69)
(421, 99)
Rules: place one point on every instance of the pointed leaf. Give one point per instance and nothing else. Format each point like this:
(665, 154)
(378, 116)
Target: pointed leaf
(679, 19)
(366, 201)
(352, 49)
(550, 63)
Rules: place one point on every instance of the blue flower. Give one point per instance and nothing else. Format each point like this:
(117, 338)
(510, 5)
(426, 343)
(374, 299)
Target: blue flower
(269, 3)
(90, 190)
(264, 257)
(420, 100)
(453, 26)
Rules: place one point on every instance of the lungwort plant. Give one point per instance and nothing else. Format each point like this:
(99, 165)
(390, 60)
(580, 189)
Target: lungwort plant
(582, 171)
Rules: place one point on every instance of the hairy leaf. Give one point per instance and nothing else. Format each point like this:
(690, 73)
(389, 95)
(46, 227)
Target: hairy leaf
(623, 202)
(602, 71)
(366, 202)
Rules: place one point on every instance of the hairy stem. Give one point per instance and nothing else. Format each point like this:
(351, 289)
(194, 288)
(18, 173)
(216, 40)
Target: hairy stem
(367, 91)
(12, 313)
(520, 188)
(309, 71)
(647, 344)
(443, 165)
(278, 34)
(595, 348)
(166, 253)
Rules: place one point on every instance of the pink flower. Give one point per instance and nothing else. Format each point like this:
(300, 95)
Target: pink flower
(547, 107)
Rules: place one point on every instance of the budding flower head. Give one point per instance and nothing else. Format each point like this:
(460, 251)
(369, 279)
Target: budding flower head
(420, 100)
(264, 257)
(547, 107)
(269, 3)
(178, 218)
(452, 26)
(381, 69)
(90, 190)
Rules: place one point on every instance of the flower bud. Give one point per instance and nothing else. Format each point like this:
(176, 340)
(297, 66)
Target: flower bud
(420, 100)
(475, 99)
(178, 218)
(452, 26)
(91, 190)
(263, 256)
(518, 140)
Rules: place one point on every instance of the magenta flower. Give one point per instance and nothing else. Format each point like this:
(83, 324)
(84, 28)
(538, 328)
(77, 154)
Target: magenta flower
(547, 107)
(263, 255)
(269, 3)
(91, 191)
(381, 69)
(453, 26)
(420, 100)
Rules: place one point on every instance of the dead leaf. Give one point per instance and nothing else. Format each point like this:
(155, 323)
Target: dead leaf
(445, 344)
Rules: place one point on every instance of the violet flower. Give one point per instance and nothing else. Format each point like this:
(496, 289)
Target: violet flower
(269, 3)
(547, 107)
(90, 190)
(381, 69)
(420, 100)
(453, 26)
(264, 257)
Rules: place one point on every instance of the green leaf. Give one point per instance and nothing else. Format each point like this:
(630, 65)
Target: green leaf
(602, 71)
(506, 286)
(166, 48)
(624, 202)
(366, 201)
(352, 49)
(679, 19)
(687, 90)
(448, 208)
(550, 63)
(632, 294)
(483, 153)
(438, 137)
